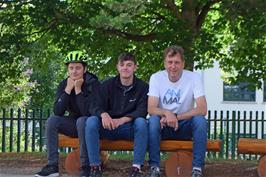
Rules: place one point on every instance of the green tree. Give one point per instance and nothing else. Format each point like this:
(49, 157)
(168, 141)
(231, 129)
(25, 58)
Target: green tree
(232, 32)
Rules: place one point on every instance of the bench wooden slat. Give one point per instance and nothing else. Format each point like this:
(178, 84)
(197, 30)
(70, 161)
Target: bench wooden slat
(251, 146)
(166, 145)
(254, 146)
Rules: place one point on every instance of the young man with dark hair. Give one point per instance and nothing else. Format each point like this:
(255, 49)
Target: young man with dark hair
(122, 115)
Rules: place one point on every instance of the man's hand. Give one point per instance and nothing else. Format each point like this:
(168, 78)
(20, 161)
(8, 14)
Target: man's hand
(171, 119)
(121, 121)
(78, 84)
(107, 121)
(117, 122)
(163, 122)
(70, 85)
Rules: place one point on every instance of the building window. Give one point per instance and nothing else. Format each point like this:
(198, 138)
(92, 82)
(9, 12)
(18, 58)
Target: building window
(264, 91)
(239, 92)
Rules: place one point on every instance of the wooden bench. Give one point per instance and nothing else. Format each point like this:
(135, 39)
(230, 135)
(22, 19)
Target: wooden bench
(178, 164)
(254, 146)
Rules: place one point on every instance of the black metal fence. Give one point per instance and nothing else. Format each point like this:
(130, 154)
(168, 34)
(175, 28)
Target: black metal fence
(229, 126)
(22, 130)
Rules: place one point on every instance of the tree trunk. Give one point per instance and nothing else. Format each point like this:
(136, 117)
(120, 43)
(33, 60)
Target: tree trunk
(189, 18)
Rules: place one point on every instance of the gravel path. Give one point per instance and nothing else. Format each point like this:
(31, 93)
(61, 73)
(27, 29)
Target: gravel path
(27, 164)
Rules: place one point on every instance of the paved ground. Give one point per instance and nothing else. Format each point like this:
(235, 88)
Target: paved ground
(27, 164)
(17, 175)
(24, 175)
(6, 175)
(21, 172)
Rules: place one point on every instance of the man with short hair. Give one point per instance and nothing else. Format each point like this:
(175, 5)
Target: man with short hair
(172, 95)
(77, 95)
(122, 115)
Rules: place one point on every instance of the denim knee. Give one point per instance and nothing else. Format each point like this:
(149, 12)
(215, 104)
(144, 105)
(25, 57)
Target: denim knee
(199, 123)
(81, 122)
(92, 123)
(140, 124)
(154, 123)
(52, 122)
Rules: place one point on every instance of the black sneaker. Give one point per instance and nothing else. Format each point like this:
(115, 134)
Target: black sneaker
(135, 172)
(85, 171)
(48, 171)
(154, 172)
(196, 173)
(96, 171)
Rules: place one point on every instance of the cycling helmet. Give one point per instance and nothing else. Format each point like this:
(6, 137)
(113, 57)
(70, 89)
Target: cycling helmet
(76, 57)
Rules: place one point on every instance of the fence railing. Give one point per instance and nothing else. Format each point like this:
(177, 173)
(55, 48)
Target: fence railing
(22, 130)
(229, 126)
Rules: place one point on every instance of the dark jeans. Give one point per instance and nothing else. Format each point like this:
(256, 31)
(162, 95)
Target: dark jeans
(67, 126)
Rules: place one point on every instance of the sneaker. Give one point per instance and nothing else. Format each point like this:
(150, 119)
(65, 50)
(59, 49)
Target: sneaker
(85, 171)
(48, 171)
(96, 171)
(154, 172)
(196, 173)
(135, 172)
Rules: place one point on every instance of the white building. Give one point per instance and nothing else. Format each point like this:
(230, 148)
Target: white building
(222, 98)
(217, 100)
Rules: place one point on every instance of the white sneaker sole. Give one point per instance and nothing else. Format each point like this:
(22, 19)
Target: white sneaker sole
(51, 175)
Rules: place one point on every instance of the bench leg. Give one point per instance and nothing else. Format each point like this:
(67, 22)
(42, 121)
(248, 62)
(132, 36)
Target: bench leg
(72, 161)
(179, 164)
(262, 166)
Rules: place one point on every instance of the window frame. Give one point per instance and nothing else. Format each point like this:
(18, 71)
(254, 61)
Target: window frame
(241, 92)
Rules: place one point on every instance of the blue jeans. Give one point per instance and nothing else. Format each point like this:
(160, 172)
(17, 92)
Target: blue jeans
(194, 128)
(68, 126)
(136, 130)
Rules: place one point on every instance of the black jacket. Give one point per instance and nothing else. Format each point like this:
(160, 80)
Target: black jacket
(82, 104)
(119, 102)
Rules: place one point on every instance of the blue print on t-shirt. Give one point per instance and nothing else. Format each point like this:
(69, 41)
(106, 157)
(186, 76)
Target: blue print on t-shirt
(171, 96)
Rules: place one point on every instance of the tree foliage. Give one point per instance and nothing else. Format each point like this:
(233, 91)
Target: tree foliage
(232, 32)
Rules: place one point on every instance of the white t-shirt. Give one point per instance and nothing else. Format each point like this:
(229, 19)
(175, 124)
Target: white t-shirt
(179, 97)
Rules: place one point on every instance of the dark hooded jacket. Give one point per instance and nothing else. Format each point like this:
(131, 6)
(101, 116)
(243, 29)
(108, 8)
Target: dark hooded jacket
(82, 104)
(119, 102)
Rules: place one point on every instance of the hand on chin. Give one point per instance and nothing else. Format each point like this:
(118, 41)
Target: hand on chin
(75, 77)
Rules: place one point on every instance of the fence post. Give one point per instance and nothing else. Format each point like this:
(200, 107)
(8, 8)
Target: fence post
(250, 128)
(26, 129)
(215, 124)
(209, 124)
(238, 128)
(41, 134)
(262, 124)
(227, 135)
(221, 134)
(215, 129)
(233, 149)
(33, 130)
(11, 130)
(19, 130)
(245, 123)
(4, 131)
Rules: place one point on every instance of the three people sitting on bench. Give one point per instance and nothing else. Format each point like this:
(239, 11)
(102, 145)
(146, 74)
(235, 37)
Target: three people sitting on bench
(119, 108)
